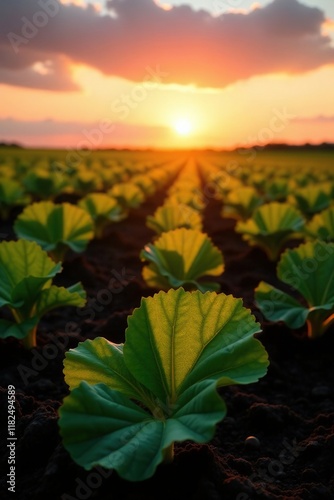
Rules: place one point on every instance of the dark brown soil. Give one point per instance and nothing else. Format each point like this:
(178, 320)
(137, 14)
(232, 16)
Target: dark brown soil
(290, 411)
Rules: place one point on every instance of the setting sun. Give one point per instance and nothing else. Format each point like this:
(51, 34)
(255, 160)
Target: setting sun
(183, 126)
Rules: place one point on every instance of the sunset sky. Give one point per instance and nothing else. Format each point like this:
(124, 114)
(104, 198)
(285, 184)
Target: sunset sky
(169, 73)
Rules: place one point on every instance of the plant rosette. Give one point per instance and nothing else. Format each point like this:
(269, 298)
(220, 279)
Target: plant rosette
(182, 257)
(321, 226)
(129, 403)
(12, 194)
(170, 217)
(103, 210)
(26, 289)
(271, 226)
(55, 227)
(309, 270)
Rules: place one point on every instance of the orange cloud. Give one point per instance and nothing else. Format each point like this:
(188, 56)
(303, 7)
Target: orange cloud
(191, 46)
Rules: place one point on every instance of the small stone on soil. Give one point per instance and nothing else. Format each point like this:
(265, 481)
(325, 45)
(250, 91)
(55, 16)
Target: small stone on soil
(252, 442)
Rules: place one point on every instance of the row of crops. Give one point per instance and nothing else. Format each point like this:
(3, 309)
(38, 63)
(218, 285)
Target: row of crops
(47, 230)
(127, 183)
(273, 211)
(129, 403)
(272, 207)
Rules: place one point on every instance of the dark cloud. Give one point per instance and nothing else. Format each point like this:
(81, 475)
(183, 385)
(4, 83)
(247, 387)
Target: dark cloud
(192, 47)
(38, 72)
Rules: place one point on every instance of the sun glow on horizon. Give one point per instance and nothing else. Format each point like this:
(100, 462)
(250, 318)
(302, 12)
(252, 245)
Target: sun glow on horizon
(183, 126)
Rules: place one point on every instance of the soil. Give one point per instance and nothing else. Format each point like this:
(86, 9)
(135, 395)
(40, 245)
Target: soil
(289, 412)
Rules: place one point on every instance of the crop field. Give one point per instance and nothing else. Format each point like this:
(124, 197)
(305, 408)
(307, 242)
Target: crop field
(167, 324)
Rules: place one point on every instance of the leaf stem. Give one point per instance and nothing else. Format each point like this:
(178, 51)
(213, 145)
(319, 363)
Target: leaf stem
(168, 454)
(272, 252)
(30, 340)
(58, 253)
(316, 327)
(328, 322)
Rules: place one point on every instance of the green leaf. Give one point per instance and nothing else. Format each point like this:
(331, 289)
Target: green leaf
(44, 184)
(85, 181)
(55, 296)
(180, 346)
(209, 323)
(26, 274)
(275, 217)
(271, 226)
(17, 330)
(259, 180)
(309, 269)
(180, 258)
(77, 288)
(102, 427)
(169, 217)
(321, 227)
(127, 194)
(279, 306)
(101, 206)
(198, 410)
(25, 269)
(189, 198)
(241, 203)
(145, 183)
(101, 361)
(103, 209)
(313, 198)
(12, 194)
(55, 227)
(277, 189)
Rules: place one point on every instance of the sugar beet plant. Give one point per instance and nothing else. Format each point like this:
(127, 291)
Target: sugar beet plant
(271, 226)
(12, 195)
(169, 217)
(312, 199)
(103, 210)
(182, 257)
(55, 227)
(321, 226)
(309, 270)
(127, 194)
(130, 402)
(240, 203)
(42, 183)
(26, 289)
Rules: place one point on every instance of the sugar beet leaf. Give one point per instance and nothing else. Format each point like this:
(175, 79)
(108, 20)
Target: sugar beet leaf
(26, 289)
(308, 269)
(129, 403)
(182, 257)
(55, 227)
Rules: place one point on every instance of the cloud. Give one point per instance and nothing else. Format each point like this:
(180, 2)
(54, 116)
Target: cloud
(314, 119)
(77, 135)
(9, 127)
(193, 47)
(38, 72)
